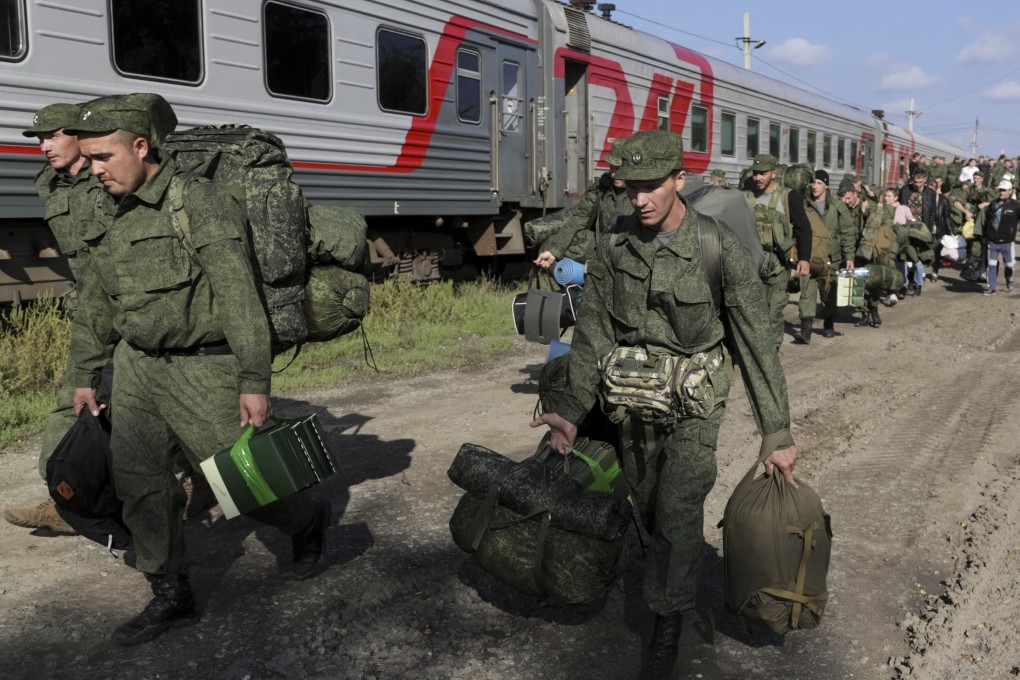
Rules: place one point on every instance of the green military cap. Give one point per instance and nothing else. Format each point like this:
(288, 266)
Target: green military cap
(846, 185)
(142, 113)
(615, 155)
(764, 162)
(52, 118)
(850, 176)
(719, 172)
(651, 154)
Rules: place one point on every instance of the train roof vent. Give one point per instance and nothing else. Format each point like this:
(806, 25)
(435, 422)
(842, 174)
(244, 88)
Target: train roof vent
(578, 36)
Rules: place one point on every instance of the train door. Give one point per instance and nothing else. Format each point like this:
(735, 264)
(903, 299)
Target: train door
(575, 114)
(867, 159)
(512, 119)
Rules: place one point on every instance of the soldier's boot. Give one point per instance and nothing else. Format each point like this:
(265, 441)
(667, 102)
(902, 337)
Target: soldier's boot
(41, 516)
(829, 328)
(802, 335)
(865, 319)
(172, 606)
(665, 648)
(308, 544)
(876, 320)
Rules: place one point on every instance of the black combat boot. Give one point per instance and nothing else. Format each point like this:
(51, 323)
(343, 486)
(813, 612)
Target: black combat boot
(308, 543)
(173, 605)
(917, 291)
(803, 335)
(865, 319)
(876, 320)
(829, 328)
(665, 648)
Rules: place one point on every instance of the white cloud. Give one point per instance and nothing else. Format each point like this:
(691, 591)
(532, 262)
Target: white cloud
(799, 52)
(1008, 91)
(964, 23)
(989, 48)
(906, 78)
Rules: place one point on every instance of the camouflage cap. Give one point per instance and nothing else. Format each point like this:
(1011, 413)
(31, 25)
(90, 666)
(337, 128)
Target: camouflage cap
(651, 154)
(52, 118)
(764, 162)
(850, 176)
(142, 113)
(615, 155)
(719, 172)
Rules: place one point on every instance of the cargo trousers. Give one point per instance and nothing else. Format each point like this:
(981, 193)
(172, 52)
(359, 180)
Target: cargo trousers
(776, 279)
(166, 404)
(812, 288)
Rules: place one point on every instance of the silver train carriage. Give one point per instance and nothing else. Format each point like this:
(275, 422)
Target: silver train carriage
(447, 123)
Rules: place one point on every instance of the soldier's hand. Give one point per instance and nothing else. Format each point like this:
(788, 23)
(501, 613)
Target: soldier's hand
(545, 259)
(803, 268)
(785, 460)
(563, 432)
(255, 408)
(86, 396)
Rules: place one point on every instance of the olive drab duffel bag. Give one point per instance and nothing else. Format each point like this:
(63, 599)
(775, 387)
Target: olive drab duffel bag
(776, 545)
(534, 527)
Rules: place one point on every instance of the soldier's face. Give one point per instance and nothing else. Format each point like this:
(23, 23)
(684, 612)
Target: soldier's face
(763, 179)
(655, 201)
(818, 188)
(117, 161)
(61, 150)
(850, 199)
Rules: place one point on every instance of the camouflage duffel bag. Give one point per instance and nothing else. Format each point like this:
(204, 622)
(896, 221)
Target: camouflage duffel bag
(336, 300)
(535, 529)
(883, 279)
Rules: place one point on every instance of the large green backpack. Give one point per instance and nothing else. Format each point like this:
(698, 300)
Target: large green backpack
(776, 545)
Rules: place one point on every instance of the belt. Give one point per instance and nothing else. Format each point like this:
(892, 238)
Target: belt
(210, 349)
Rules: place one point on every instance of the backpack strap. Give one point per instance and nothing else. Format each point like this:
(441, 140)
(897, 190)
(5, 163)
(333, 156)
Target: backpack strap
(178, 216)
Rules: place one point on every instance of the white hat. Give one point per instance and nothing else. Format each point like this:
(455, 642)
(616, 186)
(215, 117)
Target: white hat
(1005, 184)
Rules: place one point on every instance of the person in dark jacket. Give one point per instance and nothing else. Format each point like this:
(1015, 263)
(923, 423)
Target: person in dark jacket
(1000, 234)
(920, 198)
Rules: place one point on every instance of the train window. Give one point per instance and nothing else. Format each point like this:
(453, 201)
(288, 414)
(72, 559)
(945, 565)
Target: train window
(775, 135)
(513, 104)
(402, 72)
(728, 144)
(469, 86)
(753, 124)
(699, 129)
(841, 153)
(853, 154)
(12, 29)
(812, 139)
(160, 39)
(663, 118)
(297, 52)
(827, 151)
(794, 147)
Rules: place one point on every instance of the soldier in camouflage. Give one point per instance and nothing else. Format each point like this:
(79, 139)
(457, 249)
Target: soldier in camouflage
(647, 288)
(63, 185)
(193, 360)
(779, 215)
(581, 225)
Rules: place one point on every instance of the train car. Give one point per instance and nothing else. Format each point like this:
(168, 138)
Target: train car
(447, 123)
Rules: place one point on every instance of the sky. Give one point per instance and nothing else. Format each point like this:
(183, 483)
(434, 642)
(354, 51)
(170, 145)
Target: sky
(960, 61)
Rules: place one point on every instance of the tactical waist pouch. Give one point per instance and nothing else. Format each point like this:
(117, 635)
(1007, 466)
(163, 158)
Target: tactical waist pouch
(658, 387)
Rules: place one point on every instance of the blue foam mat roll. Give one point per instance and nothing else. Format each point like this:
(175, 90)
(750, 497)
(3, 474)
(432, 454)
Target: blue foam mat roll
(569, 272)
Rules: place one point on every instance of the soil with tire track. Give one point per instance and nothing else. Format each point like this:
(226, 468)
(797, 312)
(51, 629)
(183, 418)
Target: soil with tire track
(908, 433)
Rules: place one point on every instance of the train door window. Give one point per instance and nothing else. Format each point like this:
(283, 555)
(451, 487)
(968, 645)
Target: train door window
(12, 29)
(841, 153)
(402, 72)
(662, 119)
(728, 143)
(812, 140)
(794, 147)
(853, 154)
(469, 86)
(753, 148)
(159, 40)
(699, 129)
(827, 151)
(775, 137)
(513, 104)
(297, 52)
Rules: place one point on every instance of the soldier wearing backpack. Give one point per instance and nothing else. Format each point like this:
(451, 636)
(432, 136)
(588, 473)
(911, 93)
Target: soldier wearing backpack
(647, 290)
(193, 360)
(779, 215)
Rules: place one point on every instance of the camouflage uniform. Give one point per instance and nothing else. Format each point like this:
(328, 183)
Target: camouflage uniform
(638, 295)
(195, 337)
(842, 246)
(598, 210)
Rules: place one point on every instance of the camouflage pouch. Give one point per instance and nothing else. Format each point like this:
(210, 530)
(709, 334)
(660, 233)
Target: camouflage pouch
(639, 383)
(695, 391)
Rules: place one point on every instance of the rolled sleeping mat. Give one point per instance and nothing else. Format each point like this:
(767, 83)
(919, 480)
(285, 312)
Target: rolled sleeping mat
(569, 272)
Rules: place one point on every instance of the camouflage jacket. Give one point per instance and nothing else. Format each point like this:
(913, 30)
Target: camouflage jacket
(602, 202)
(843, 243)
(638, 296)
(67, 201)
(142, 285)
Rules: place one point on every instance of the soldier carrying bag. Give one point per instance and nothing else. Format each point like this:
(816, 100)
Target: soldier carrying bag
(776, 545)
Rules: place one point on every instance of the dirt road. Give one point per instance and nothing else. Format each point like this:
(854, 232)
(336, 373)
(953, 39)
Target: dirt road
(908, 433)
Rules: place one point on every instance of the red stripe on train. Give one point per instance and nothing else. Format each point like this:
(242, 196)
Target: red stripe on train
(20, 149)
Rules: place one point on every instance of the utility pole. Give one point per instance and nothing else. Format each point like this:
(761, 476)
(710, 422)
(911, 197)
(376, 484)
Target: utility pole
(973, 143)
(912, 115)
(747, 40)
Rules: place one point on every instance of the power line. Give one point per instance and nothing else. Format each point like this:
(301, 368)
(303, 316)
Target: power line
(673, 28)
(969, 92)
